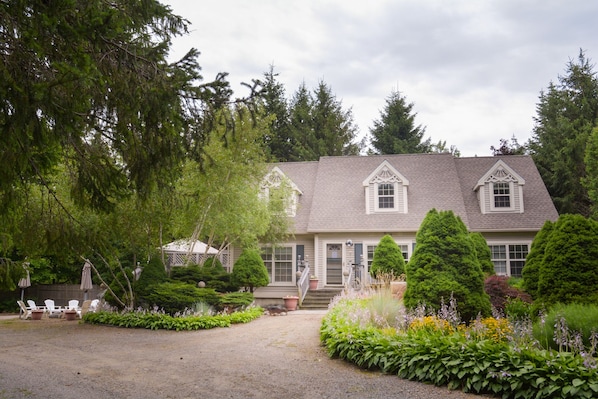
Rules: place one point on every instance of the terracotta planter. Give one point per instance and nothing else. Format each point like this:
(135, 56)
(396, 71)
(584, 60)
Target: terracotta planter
(37, 314)
(70, 314)
(313, 284)
(290, 302)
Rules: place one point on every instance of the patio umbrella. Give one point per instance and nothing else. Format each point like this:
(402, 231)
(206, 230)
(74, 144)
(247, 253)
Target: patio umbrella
(25, 281)
(86, 283)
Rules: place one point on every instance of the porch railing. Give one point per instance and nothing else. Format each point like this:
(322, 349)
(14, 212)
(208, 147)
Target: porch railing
(303, 284)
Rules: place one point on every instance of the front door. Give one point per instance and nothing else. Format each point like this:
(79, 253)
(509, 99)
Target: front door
(334, 264)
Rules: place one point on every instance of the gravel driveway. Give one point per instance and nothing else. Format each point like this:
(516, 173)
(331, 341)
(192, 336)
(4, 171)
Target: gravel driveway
(272, 357)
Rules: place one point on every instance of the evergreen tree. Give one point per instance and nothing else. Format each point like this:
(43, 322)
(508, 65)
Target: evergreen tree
(301, 126)
(566, 115)
(279, 141)
(319, 125)
(333, 127)
(569, 271)
(87, 84)
(445, 264)
(483, 253)
(590, 181)
(249, 270)
(395, 132)
(535, 258)
(388, 260)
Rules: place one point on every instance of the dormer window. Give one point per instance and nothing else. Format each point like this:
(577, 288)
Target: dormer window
(502, 195)
(385, 190)
(277, 186)
(386, 196)
(500, 190)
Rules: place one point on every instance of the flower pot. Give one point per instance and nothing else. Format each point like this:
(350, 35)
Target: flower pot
(290, 302)
(37, 314)
(313, 284)
(70, 314)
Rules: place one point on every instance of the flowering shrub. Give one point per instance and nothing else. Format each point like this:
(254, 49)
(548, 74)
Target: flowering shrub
(488, 356)
(158, 320)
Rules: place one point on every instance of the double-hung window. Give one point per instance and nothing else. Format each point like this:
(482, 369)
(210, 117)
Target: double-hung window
(502, 195)
(279, 263)
(386, 196)
(509, 259)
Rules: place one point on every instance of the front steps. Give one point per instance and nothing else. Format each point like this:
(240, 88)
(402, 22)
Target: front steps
(319, 299)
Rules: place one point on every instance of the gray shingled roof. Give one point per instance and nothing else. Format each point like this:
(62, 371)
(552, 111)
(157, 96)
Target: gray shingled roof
(333, 197)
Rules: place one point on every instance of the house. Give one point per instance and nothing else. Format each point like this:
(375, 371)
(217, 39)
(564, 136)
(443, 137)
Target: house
(342, 206)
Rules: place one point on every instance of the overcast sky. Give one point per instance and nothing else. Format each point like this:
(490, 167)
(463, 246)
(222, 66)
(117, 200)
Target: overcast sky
(473, 69)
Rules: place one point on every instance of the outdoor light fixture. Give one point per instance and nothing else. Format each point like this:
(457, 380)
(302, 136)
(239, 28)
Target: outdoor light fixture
(349, 243)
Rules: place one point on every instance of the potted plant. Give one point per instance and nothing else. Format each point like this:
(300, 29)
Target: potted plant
(70, 314)
(313, 282)
(36, 314)
(290, 302)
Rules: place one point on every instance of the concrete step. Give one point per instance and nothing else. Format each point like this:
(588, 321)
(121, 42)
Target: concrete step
(319, 299)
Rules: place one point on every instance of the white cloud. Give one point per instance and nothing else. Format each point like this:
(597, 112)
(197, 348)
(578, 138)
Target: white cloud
(474, 70)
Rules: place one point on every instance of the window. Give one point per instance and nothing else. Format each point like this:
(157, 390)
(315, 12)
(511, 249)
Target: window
(502, 195)
(371, 248)
(279, 263)
(509, 259)
(386, 196)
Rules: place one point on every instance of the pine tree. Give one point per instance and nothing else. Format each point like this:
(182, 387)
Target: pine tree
(535, 258)
(249, 270)
(388, 260)
(395, 132)
(566, 115)
(569, 272)
(445, 264)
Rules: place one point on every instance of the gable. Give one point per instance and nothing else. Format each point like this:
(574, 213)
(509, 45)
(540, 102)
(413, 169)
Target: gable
(277, 179)
(385, 190)
(500, 190)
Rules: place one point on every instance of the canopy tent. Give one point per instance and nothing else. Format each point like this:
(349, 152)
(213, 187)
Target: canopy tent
(183, 252)
(187, 246)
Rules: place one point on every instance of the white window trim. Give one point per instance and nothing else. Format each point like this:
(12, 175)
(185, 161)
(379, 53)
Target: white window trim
(508, 259)
(293, 265)
(395, 197)
(493, 206)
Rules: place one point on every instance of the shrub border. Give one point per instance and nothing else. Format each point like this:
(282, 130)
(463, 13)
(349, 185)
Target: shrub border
(475, 366)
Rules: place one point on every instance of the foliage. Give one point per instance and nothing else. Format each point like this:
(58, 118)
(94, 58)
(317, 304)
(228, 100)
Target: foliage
(280, 142)
(88, 83)
(158, 320)
(220, 197)
(236, 299)
(506, 148)
(500, 292)
(153, 274)
(176, 297)
(395, 132)
(444, 265)
(566, 115)
(569, 327)
(249, 270)
(569, 272)
(478, 359)
(318, 125)
(10, 274)
(211, 272)
(590, 180)
(535, 258)
(388, 259)
(385, 310)
(517, 309)
(483, 253)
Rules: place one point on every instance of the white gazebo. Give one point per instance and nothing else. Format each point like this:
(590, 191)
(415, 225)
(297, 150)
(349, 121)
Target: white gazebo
(183, 252)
